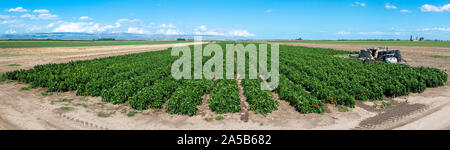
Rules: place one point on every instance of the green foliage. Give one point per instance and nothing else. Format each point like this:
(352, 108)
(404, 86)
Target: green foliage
(106, 39)
(66, 108)
(131, 113)
(385, 104)
(13, 65)
(186, 97)
(153, 96)
(102, 114)
(219, 118)
(298, 97)
(26, 88)
(2, 77)
(341, 81)
(46, 93)
(438, 56)
(309, 78)
(342, 108)
(225, 97)
(260, 101)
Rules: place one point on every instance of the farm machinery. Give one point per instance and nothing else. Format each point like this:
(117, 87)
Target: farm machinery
(380, 54)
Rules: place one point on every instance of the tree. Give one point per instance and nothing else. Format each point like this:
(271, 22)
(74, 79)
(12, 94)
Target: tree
(421, 39)
(410, 38)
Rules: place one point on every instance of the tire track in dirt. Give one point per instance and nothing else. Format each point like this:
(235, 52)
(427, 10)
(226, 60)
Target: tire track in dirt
(53, 118)
(400, 115)
(80, 121)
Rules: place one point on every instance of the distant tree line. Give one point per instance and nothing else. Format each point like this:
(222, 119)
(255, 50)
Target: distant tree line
(106, 39)
(369, 40)
(418, 39)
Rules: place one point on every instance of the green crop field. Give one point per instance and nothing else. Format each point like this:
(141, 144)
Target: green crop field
(378, 43)
(33, 44)
(309, 78)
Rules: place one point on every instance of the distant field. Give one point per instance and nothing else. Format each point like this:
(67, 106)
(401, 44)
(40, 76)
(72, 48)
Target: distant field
(32, 44)
(381, 43)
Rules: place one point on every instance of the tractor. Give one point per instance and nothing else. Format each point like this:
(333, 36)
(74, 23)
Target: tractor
(380, 54)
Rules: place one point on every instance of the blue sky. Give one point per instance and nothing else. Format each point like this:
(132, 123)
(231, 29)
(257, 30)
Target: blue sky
(255, 19)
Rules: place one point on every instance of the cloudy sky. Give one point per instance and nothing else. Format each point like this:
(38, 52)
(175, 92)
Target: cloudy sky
(257, 19)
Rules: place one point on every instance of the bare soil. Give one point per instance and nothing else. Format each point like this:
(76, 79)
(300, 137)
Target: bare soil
(28, 109)
(29, 57)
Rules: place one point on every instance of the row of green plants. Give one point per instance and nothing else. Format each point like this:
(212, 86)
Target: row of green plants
(76, 75)
(260, 101)
(309, 78)
(298, 97)
(225, 97)
(154, 96)
(188, 96)
(340, 80)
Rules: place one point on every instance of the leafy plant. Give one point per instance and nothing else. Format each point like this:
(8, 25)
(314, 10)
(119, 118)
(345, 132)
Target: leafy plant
(219, 118)
(342, 108)
(131, 113)
(14, 65)
(26, 88)
(66, 108)
(385, 104)
(225, 97)
(2, 77)
(46, 93)
(103, 115)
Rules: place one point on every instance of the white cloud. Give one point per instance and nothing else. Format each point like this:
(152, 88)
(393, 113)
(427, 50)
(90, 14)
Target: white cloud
(405, 11)
(136, 30)
(32, 28)
(359, 4)
(373, 33)
(27, 16)
(434, 29)
(202, 28)
(51, 25)
(82, 27)
(343, 33)
(11, 31)
(169, 32)
(389, 6)
(240, 32)
(432, 8)
(42, 16)
(268, 11)
(85, 18)
(41, 11)
(47, 16)
(209, 33)
(9, 22)
(91, 27)
(4, 17)
(18, 9)
(128, 20)
(167, 26)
